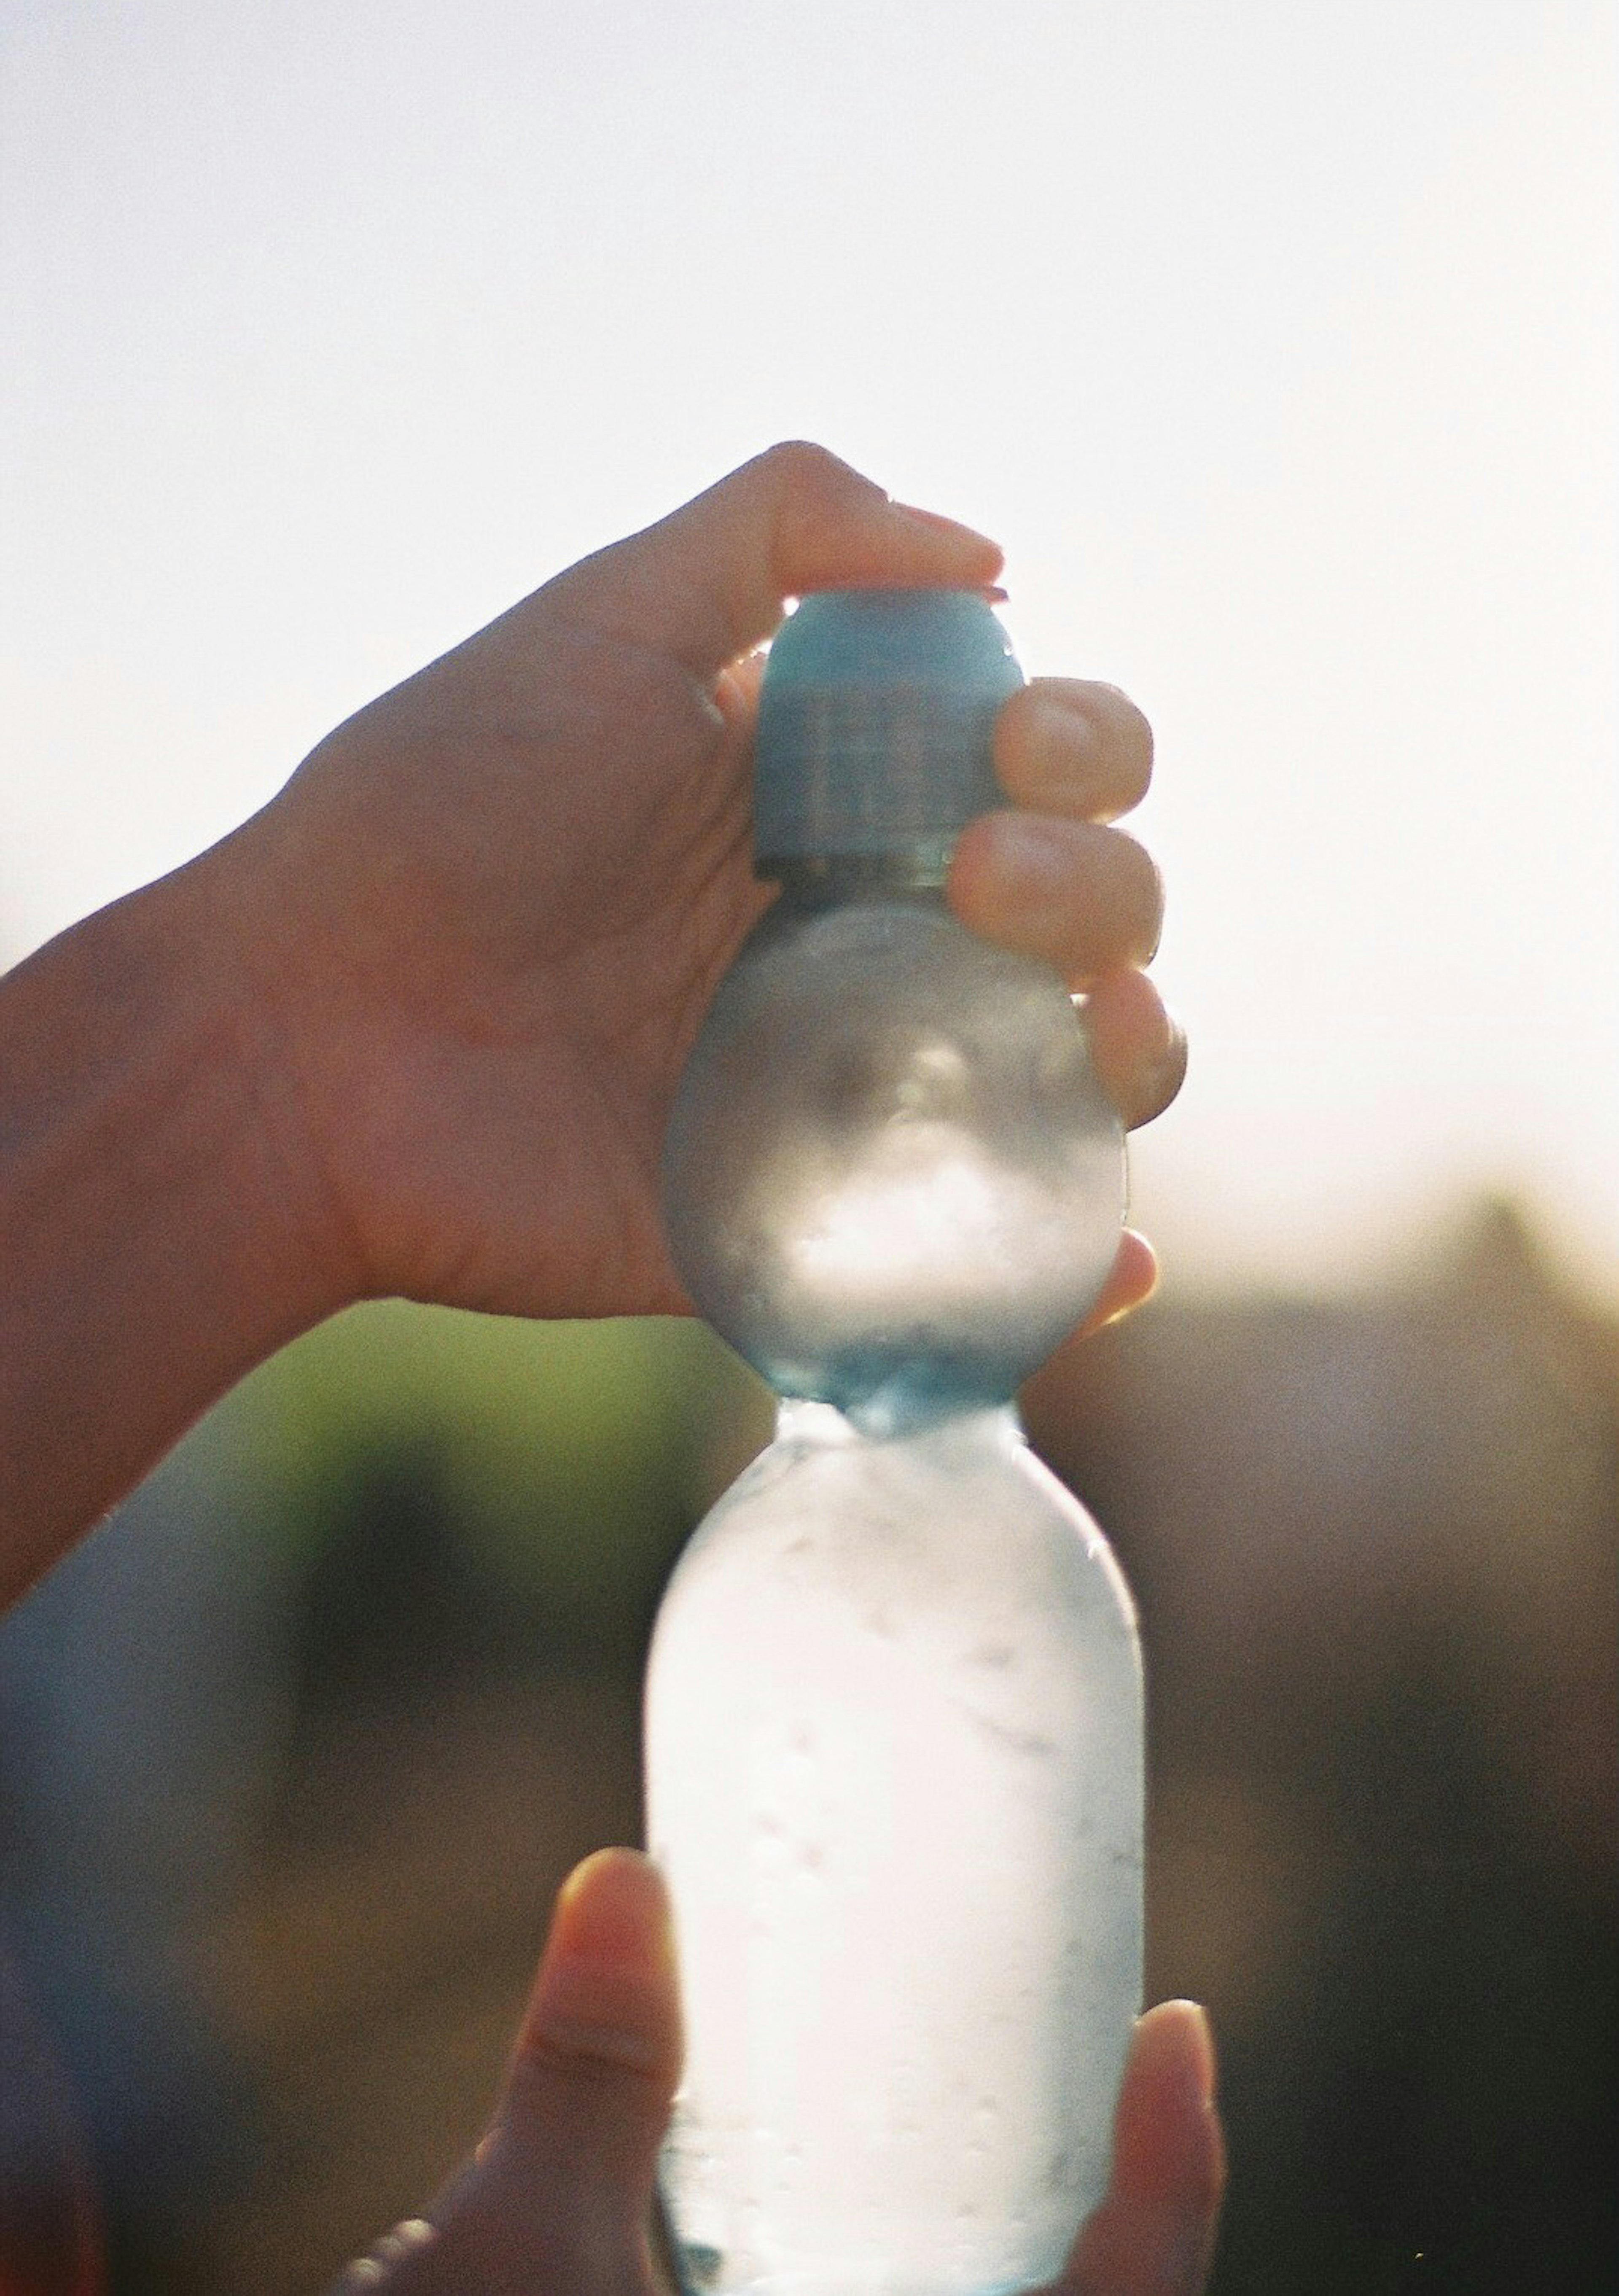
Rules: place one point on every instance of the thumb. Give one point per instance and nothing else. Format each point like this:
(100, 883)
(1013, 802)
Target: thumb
(558, 2200)
(1154, 2232)
(598, 2056)
(707, 582)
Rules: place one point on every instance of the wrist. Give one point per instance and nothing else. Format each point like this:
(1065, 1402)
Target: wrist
(240, 1032)
(159, 1236)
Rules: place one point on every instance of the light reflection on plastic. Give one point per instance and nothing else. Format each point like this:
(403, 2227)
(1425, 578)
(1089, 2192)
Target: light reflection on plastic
(938, 1211)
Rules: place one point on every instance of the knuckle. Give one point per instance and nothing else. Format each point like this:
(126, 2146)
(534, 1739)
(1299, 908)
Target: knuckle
(808, 499)
(798, 470)
(793, 458)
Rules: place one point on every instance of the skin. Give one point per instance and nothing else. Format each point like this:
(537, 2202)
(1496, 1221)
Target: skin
(414, 1030)
(559, 2200)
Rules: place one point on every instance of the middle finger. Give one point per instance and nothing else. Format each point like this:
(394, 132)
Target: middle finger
(1086, 900)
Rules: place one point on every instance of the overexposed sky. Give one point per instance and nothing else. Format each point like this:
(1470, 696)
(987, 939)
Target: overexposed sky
(1276, 343)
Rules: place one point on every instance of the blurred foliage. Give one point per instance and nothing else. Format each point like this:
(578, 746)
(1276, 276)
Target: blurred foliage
(565, 1461)
(301, 1745)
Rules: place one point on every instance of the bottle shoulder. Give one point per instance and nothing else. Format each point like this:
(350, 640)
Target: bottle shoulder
(957, 1515)
(916, 1588)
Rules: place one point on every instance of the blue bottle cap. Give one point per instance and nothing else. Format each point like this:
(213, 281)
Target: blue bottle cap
(873, 745)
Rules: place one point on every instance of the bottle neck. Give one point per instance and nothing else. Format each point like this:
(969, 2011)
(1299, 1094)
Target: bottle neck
(822, 1426)
(826, 881)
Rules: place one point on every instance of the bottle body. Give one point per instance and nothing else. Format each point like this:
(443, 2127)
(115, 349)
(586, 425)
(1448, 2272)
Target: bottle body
(894, 1777)
(894, 1725)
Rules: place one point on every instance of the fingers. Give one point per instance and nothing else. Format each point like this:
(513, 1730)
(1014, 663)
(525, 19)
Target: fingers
(1137, 1047)
(1088, 901)
(1067, 746)
(1132, 1281)
(1154, 2234)
(565, 2180)
(1049, 876)
(708, 582)
(1084, 898)
(1053, 880)
(558, 2200)
(598, 2056)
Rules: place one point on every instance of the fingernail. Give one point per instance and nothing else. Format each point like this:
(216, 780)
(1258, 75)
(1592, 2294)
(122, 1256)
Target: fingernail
(1059, 714)
(1146, 1259)
(609, 1956)
(1202, 2057)
(951, 527)
(1181, 2045)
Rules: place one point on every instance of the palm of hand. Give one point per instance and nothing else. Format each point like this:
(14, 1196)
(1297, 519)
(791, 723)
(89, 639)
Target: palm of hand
(570, 812)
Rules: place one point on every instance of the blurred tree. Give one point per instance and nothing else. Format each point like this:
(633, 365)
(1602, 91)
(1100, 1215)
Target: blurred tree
(1375, 1545)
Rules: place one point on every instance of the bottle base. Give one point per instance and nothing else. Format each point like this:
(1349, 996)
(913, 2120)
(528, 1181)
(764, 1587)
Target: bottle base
(704, 2272)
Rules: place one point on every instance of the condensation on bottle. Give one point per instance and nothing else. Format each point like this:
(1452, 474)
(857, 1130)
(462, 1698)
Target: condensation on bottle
(893, 1709)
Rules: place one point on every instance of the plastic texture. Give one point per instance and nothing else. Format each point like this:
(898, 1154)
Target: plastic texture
(891, 1178)
(874, 730)
(895, 1781)
(894, 1721)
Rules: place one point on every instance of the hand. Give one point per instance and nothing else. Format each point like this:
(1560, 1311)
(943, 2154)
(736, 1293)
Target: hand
(416, 1027)
(483, 923)
(558, 2200)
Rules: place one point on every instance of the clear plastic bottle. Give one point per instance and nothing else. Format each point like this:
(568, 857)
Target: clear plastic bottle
(894, 1723)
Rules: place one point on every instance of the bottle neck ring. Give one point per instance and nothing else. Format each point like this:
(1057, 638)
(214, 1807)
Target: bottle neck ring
(818, 881)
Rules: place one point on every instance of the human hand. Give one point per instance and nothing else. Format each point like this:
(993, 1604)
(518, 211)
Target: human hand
(481, 925)
(559, 2200)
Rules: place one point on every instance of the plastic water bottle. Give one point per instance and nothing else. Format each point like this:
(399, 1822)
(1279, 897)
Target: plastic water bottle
(894, 1721)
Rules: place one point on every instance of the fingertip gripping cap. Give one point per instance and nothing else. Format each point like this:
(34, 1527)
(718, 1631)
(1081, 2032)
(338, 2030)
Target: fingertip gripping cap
(875, 728)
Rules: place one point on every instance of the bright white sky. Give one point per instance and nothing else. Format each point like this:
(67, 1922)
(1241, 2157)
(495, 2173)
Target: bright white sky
(1276, 342)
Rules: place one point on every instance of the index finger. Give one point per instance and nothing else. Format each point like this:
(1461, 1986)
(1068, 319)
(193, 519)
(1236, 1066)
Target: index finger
(709, 581)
